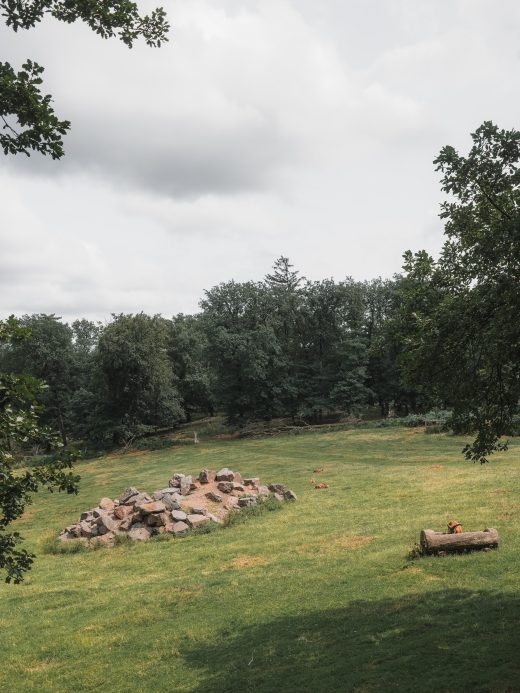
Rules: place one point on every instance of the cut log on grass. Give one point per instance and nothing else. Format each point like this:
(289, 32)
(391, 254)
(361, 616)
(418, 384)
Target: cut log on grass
(434, 542)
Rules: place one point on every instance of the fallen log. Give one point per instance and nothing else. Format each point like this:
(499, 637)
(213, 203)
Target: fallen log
(434, 542)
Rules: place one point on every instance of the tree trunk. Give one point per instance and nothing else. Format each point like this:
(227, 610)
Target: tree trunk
(432, 542)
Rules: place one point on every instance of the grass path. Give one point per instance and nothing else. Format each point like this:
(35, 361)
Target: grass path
(318, 597)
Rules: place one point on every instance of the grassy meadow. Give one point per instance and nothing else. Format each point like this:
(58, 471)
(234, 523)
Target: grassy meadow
(318, 597)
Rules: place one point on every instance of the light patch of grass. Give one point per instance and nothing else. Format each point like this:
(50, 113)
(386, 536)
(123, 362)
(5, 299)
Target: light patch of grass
(247, 562)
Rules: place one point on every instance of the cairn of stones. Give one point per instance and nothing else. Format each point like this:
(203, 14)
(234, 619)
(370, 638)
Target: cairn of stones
(186, 504)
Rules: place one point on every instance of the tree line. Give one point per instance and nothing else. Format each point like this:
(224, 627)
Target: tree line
(283, 346)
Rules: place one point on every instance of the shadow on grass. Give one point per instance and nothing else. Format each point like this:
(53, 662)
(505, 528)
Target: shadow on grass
(450, 640)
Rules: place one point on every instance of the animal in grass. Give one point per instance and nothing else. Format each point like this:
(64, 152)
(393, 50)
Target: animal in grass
(454, 527)
(321, 485)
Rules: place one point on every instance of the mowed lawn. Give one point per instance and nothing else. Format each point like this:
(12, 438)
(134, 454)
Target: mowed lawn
(315, 598)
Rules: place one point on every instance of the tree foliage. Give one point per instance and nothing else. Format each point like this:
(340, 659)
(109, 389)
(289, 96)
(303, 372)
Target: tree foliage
(462, 311)
(29, 123)
(18, 427)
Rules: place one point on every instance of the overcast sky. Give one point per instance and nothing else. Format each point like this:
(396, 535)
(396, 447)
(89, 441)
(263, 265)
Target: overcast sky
(263, 128)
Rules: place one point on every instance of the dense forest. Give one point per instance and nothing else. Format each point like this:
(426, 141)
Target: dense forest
(284, 346)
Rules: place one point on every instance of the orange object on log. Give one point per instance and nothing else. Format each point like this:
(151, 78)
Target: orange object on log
(454, 527)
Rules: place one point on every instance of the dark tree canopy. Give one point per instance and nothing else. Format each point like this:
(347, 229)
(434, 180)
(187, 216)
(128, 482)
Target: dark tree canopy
(18, 427)
(462, 311)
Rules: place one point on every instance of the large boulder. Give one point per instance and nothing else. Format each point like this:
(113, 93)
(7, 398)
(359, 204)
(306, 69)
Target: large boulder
(108, 539)
(178, 515)
(186, 485)
(252, 482)
(126, 495)
(88, 530)
(225, 474)
(180, 528)
(146, 508)
(123, 511)
(105, 521)
(155, 519)
(206, 476)
(126, 523)
(139, 498)
(170, 501)
(197, 520)
(106, 504)
(140, 532)
(175, 481)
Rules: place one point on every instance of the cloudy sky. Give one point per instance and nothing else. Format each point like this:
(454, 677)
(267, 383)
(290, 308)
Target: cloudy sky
(264, 127)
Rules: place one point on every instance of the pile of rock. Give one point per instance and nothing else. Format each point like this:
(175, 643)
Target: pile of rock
(184, 505)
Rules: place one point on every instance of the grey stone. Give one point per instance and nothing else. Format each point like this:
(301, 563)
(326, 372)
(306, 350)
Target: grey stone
(197, 520)
(206, 476)
(106, 504)
(150, 507)
(253, 482)
(277, 488)
(215, 497)
(263, 491)
(225, 486)
(279, 497)
(154, 520)
(105, 520)
(198, 510)
(170, 501)
(175, 481)
(178, 515)
(87, 515)
(140, 498)
(157, 495)
(290, 496)
(74, 530)
(107, 539)
(186, 484)
(225, 474)
(140, 532)
(88, 530)
(126, 523)
(126, 495)
(180, 528)
(123, 511)
(247, 501)
(237, 487)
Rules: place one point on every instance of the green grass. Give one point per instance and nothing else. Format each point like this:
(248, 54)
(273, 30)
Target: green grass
(317, 597)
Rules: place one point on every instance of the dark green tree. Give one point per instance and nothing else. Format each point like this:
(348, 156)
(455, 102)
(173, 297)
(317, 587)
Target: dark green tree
(462, 311)
(137, 374)
(47, 355)
(18, 428)
(188, 353)
(243, 349)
